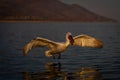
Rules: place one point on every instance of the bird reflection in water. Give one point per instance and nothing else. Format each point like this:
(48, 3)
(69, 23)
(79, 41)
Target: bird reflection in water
(54, 72)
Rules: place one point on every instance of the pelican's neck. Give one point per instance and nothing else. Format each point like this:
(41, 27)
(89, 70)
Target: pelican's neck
(67, 43)
(67, 40)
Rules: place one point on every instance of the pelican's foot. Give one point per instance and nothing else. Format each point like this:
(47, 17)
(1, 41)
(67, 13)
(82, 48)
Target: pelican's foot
(53, 56)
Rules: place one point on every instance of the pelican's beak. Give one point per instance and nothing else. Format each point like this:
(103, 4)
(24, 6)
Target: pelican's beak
(71, 39)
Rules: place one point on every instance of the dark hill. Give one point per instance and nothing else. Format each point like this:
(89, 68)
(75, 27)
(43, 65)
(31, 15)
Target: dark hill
(46, 10)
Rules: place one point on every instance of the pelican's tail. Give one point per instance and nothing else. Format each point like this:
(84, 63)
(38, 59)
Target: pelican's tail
(48, 54)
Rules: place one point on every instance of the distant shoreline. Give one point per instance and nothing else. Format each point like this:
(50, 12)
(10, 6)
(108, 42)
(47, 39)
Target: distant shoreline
(47, 11)
(55, 21)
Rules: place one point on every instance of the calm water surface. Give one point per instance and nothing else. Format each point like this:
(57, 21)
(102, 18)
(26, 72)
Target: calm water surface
(35, 66)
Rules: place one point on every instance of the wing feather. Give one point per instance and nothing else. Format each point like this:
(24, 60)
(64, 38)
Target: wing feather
(87, 41)
(38, 42)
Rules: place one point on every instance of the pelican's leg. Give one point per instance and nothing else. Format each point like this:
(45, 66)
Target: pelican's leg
(59, 56)
(53, 56)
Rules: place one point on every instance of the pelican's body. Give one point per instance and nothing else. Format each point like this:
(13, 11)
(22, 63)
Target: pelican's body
(59, 47)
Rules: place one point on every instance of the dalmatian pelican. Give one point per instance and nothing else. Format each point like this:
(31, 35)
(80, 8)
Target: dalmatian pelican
(82, 40)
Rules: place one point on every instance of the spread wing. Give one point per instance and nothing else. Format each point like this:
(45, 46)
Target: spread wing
(38, 42)
(87, 41)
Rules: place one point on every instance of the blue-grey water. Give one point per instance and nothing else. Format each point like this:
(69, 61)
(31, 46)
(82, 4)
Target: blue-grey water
(36, 66)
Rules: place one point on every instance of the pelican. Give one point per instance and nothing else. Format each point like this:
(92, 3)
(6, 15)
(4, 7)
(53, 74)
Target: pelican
(82, 40)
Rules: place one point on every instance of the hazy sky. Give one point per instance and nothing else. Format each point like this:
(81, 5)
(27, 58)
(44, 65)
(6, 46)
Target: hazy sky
(108, 8)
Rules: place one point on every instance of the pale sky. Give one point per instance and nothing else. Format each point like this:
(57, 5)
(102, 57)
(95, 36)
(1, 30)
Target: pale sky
(108, 8)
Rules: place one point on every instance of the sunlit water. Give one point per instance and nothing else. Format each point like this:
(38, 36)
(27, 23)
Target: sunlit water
(35, 66)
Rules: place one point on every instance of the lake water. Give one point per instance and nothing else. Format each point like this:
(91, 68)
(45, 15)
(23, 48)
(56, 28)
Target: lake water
(36, 66)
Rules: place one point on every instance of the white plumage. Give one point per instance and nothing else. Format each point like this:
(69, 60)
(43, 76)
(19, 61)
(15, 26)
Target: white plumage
(59, 47)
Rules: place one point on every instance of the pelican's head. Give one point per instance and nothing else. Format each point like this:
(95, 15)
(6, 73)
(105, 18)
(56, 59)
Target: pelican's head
(69, 38)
